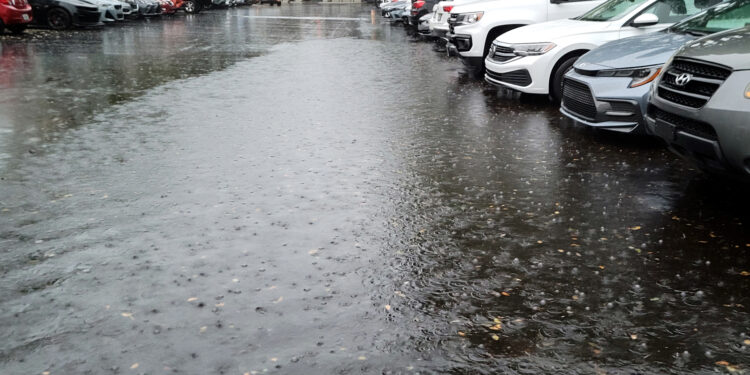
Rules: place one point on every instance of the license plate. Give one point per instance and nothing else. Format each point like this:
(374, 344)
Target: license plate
(25, 17)
(440, 17)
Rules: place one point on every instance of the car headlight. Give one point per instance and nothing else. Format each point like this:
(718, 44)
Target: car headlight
(468, 18)
(532, 49)
(640, 76)
(747, 91)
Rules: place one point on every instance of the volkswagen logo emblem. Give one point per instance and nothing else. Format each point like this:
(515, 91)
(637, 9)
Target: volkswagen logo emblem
(683, 79)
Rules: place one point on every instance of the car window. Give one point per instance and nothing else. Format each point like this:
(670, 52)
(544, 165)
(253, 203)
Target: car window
(671, 11)
(726, 16)
(611, 10)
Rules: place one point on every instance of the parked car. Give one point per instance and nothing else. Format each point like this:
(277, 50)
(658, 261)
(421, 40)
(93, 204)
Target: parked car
(440, 14)
(473, 26)
(64, 14)
(112, 10)
(168, 7)
(609, 86)
(534, 59)
(400, 13)
(700, 104)
(385, 10)
(419, 8)
(15, 15)
(148, 8)
(272, 2)
(423, 25)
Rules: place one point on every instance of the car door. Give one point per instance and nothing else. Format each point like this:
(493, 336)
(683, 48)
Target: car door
(669, 12)
(560, 9)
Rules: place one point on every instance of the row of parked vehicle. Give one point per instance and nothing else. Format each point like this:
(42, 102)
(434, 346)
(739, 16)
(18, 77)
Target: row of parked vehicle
(17, 15)
(678, 70)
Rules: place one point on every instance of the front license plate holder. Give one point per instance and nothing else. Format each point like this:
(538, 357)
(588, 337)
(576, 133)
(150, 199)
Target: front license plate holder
(665, 131)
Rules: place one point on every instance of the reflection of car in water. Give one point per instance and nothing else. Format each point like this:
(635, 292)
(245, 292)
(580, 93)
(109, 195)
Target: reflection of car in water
(15, 15)
(64, 14)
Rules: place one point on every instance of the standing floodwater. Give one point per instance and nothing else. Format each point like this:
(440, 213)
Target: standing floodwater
(307, 190)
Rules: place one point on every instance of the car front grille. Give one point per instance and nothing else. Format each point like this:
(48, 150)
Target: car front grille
(517, 77)
(502, 53)
(577, 99)
(684, 124)
(703, 81)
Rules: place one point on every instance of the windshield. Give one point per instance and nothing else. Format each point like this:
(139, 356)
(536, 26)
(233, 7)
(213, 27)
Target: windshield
(611, 10)
(726, 16)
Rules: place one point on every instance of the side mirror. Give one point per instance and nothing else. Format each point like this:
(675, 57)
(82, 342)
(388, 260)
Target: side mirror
(645, 19)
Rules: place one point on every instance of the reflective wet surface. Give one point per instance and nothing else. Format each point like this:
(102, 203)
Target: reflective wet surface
(307, 189)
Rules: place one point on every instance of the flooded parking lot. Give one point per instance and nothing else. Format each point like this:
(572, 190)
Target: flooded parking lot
(308, 189)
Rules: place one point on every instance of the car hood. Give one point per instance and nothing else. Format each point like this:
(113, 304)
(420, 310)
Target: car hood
(484, 5)
(552, 31)
(642, 50)
(727, 48)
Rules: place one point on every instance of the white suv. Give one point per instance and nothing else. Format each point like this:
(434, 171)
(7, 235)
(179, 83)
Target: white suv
(440, 14)
(473, 26)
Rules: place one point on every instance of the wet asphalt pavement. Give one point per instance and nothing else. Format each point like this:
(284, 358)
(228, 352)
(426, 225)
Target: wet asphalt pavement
(310, 190)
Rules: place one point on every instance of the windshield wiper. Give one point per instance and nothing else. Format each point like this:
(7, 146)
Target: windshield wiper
(696, 32)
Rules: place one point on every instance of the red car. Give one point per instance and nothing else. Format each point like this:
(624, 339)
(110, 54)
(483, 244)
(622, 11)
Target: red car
(168, 6)
(14, 15)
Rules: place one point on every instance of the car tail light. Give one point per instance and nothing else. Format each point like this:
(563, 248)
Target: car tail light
(447, 8)
(418, 4)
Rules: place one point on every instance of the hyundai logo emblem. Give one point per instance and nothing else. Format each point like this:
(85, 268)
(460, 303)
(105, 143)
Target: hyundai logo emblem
(683, 79)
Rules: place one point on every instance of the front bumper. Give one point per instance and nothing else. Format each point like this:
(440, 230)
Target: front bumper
(468, 39)
(16, 16)
(715, 136)
(537, 67)
(605, 103)
(88, 16)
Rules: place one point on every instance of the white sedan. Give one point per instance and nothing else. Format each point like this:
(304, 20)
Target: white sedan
(533, 59)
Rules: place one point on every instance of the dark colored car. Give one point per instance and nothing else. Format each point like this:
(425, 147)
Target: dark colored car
(64, 14)
(15, 15)
(700, 104)
(272, 2)
(419, 8)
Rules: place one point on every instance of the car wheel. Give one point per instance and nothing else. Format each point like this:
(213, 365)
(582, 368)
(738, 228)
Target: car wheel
(17, 29)
(190, 6)
(278, 3)
(58, 19)
(2, 26)
(556, 88)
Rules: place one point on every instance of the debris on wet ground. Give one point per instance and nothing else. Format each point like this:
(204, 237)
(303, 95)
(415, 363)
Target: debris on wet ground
(167, 209)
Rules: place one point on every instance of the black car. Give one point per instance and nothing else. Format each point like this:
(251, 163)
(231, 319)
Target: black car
(419, 8)
(64, 14)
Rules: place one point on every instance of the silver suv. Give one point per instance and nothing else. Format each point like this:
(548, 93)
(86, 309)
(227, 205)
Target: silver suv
(700, 104)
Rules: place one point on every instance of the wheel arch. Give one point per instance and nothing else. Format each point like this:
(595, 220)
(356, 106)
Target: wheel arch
(577, 52)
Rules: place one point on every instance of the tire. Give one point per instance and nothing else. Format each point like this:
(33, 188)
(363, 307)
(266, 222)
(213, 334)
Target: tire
(17, 29)
(2, 26)
(191, 6)
(556, 81)
(59, 19)
(278, 3)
